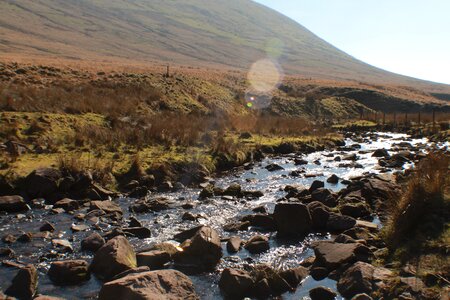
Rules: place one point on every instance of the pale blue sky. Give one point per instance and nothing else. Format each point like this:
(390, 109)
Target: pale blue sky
(410, 37)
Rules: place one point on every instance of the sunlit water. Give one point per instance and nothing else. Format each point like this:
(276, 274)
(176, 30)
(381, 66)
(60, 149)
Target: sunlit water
(286, 253)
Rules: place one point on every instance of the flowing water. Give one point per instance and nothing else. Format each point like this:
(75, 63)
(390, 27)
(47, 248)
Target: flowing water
(217, 212)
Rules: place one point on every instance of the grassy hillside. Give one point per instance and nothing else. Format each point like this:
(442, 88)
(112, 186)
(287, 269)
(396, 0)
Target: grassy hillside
(232, 33)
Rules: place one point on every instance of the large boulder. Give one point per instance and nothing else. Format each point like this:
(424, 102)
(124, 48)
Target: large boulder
(319, 215)
(202, 252)
(69, 272)
(339, 223)
(361, 278)
(257, 244)
(331, 255)
(236, 284)
(13, 204)
(153, 285)
(292, 219)
(154, 259)
(24, 284)
(42, 182)
(114, 257)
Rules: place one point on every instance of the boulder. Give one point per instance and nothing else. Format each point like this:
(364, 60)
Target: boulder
(13, 204)
(361, 278)
(236, 284)
(153, 285)
(114, 257)
(236, 226)
(234, 244)
(339, 223)
(294, 276)
(69, 272)
(202, 252)
(42, 182)
(322, 293)
(333, 255)
(265, 222)
(274, 167)
(381, 153)
(234, 190)
(355, 210)
(93, 242)
(292, 219)
(257, 244)
(317, 184)
(24, 284)
(108, 207)
(319, 215)
(333, 179)
(154, 259)
(67, 204)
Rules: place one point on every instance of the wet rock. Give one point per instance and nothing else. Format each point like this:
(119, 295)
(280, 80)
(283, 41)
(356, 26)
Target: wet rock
(252, 194)
(236, 226)
(47, 226)
(187, 234)
(114, 257)
(165, 186)
(42, 182)
(361, 278)
(44, 297)
(333, 255)
(131, 271)
(339, 223)
(207, 192)
(9, 239)
(292, 219)
(319, 215)
(25, 237)
(188, 216)
(274, 167)
(380, 153)
(262, 290)
(6, 252)
(325, 196)
(108, 207)
(202, 252)
(260, 209)
(24, 284)
(154, 259)
(234, 244)
(62, 245)
(162, 284)
(362, 297)
(234, 190)
(166, 247)
(344, 239)
(257, 244)
(322, 293)
(79, 228)
(236, 284)
(92, 243)
(319, 273)
(139, 232)
(286, 148)
(356, 210)
(352, 157)
(294, 276)
(265, 222)
(300, 162)
(13, 204)
(317, 184)
(67, 204)
(69, 272)
(333, 179)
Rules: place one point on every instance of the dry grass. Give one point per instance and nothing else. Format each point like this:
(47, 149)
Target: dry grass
(422, 212)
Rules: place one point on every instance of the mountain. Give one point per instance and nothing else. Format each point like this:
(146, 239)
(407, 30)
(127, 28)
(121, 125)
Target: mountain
(213, 33)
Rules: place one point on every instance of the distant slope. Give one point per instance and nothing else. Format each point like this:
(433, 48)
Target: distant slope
(231, 33)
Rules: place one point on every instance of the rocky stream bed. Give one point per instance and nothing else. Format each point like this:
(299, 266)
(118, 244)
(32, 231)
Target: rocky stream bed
(263, 224)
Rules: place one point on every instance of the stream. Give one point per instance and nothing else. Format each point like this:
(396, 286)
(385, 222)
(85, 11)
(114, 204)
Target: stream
(217, 212)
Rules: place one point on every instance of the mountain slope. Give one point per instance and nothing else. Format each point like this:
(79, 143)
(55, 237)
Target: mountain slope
(232, 33)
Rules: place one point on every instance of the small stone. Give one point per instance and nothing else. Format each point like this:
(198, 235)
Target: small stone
(234, 244)
(47, 226)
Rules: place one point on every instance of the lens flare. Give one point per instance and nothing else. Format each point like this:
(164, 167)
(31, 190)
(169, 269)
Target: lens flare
(264, 76)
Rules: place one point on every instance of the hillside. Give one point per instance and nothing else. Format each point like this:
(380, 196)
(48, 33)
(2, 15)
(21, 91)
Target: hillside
(206, 33)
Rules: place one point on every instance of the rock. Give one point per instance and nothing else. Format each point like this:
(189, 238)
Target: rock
(361, 278)
(62, 245)
(47, 226)
(154, 259)
(362, 297)
(166, 247)
(352, 157)
(44, 297)
(322, 293)
(234, 190)
(6, 252)
(236, 284)
(333, 255)
(67, 204)
(79, 228)
(108, 207)
(165, 186)
(134, 222)
(188, 216)
(92, 243)
(317, 184)
(69, 272)
(252, 194)
(9, 239)
(333, 179)
(257, 244)
(339, 223)
(236, 226)
(139, 232)
(300, 162)
(24, 284)
(13, 204)
(292, 219)
(381, 153)
(319, 273)
(262, 290)
(42, 182)
(295, 276)
(153, 285)
(131, 271)
(114, 257)
(234, 244)
(207, 192)
(274, 167)
(325, 196)
(319, 215)
(187, 234)
(412, 285)
(202, 252)
(260, 209)
(355, 210)
(265, 222)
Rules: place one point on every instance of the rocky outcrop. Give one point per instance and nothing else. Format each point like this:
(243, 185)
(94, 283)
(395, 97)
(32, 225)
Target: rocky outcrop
(114, 257)
(153, 285)
(292, 219)
(42, 182)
